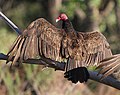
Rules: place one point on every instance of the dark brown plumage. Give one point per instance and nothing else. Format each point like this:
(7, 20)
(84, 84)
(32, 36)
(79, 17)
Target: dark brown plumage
(110, 65)
(80, 49)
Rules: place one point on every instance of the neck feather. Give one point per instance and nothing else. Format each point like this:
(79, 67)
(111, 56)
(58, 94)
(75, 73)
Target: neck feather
(67, 26)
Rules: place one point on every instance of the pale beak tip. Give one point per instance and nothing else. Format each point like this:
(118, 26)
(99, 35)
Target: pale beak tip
(57, 20)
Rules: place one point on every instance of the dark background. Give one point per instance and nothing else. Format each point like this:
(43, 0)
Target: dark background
(86, 15)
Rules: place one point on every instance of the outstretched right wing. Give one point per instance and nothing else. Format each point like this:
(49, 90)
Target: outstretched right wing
(96, 48)
(39, 39)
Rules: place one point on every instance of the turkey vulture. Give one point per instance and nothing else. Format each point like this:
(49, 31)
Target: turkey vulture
(80, 49)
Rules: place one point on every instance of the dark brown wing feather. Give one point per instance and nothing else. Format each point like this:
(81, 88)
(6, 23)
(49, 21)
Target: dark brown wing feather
(39, 39)
(109, 65)
(96, 48)
(97, 52)
(88, 49)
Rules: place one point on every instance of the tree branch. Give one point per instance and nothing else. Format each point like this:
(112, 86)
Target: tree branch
(60, 66)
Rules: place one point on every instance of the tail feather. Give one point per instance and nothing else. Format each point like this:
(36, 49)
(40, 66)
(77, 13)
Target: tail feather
(80, 74)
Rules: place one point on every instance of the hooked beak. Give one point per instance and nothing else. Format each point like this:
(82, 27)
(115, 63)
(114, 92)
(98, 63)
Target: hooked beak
(58, 19)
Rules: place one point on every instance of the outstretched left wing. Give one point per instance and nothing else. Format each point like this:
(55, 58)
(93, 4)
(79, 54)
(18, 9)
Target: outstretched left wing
(96, 48)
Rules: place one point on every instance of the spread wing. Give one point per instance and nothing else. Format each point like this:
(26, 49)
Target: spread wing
(39, 39)
(96, 48)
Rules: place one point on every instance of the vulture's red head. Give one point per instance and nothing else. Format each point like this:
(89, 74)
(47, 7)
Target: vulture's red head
(62, 17)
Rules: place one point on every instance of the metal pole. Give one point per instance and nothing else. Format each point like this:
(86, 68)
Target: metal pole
(10, 23)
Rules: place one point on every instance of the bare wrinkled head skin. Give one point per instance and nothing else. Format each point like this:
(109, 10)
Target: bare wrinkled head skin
(62, 17)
